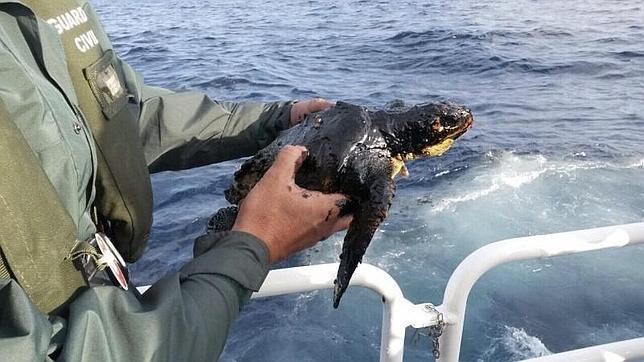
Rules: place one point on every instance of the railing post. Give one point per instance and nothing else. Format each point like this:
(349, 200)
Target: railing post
(491, 255)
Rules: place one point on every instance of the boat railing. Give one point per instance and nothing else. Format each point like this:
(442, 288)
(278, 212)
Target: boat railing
(445, 321)
(399, 313)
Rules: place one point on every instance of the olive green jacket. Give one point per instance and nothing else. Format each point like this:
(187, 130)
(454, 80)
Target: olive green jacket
(183, 317)
(186, 315)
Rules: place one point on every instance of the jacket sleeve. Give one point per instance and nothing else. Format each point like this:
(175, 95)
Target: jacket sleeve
(187, 129)
(183, 317)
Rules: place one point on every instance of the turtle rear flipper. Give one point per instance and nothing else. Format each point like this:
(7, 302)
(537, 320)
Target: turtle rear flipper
(368, 215)
(223, 219)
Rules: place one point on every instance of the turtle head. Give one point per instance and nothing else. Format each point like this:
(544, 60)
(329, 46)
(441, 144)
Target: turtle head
(421, 131)
(425, 130)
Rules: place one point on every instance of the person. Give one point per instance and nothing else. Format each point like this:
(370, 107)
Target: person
(80, 133)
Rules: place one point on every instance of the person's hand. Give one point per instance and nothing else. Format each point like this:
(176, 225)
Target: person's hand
(300, 110)
(285, 216)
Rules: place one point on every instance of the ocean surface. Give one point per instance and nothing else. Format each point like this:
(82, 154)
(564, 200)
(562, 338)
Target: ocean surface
(557, 90)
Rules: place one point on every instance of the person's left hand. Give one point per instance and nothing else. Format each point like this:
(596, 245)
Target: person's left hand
(300, 110)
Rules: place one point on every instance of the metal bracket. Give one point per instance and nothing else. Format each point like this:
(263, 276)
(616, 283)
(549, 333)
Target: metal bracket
(426, 315)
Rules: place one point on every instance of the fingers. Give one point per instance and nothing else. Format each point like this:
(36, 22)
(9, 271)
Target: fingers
(300, 110)
(289, 160)
(318, 104)
(343, 223)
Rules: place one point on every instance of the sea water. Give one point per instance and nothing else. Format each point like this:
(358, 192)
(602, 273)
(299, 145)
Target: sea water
(557, 90)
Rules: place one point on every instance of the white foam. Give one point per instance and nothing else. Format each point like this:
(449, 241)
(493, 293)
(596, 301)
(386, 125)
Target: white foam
(637, 164)
(523, 345)
(516, 343)
(442, 173)
(512, 172)
(303, 300)
(450, 201)
(390, 260)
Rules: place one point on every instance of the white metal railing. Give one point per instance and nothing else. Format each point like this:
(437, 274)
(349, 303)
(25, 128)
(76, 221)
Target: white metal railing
(491, 255)
(628, 350)
(399, 313)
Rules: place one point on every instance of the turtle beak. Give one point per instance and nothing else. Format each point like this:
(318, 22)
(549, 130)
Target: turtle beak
(468, 125)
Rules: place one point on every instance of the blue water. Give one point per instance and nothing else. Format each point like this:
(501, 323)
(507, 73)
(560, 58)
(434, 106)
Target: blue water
(557, 90)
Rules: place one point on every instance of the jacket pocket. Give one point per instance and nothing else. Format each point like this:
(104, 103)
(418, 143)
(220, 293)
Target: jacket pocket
(106, 84)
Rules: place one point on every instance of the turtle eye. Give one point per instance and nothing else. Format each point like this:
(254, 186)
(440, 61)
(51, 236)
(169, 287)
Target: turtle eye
(451, 120)
(437, 126)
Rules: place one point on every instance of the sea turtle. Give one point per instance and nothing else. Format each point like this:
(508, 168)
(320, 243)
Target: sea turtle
(357, 152)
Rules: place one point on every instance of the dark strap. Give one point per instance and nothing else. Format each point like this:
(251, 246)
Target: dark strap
(36, 232)
(4, 271)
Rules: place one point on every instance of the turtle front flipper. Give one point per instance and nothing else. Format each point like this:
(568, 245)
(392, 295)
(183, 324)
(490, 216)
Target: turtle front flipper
(251, 172)
(368, 215)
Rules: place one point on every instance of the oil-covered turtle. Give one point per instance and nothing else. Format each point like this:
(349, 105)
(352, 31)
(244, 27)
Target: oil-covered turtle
(357, 152)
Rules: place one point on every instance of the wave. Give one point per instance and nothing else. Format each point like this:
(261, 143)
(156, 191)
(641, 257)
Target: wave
(472, 52)
(440, 35)
(448, 34)
(147, 50)
(637, 164)
(627, 54)
(231, 82)
(514, 344)
(510, 172)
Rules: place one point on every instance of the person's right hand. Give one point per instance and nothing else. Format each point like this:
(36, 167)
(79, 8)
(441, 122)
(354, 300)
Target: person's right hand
(285, 216)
